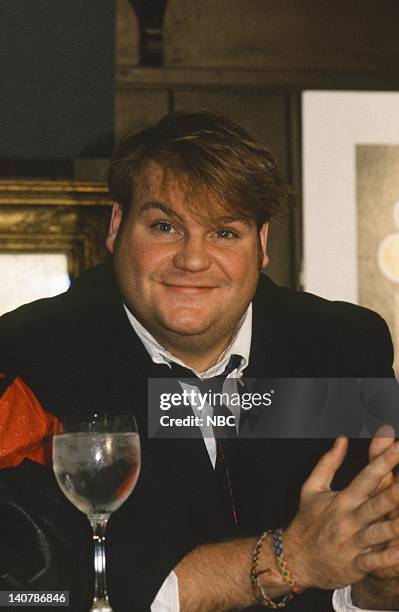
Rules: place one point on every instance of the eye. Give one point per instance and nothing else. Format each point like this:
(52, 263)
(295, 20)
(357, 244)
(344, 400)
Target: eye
(226, 234)
(163, 227)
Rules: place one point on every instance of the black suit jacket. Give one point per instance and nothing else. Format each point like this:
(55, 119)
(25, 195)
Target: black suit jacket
(79, 355)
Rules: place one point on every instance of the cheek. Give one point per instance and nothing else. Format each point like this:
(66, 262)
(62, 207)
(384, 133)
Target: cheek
(243, 267)
(142, 268)
(131, 253)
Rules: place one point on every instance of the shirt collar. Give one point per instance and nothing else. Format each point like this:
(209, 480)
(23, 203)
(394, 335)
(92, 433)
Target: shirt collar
(240, 345)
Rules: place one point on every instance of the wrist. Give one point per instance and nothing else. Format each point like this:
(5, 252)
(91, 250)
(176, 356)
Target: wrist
(375, 593)
(267, 581)
(272, 574)
(297, 558)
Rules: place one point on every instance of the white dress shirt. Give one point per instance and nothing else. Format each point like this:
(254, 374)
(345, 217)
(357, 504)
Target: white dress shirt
(167, 598)
(342, 602)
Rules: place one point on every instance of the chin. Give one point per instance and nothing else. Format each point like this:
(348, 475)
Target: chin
(186, 330)
(185, 326)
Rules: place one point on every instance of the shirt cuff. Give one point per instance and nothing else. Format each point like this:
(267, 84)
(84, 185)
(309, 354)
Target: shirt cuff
(342, 601)
(167, 598)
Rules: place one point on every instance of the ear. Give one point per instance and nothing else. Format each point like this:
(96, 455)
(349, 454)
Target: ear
(114, 225)
(263, 234)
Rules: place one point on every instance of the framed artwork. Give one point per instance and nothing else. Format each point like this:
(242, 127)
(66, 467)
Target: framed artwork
(50, 231)
(351, 200)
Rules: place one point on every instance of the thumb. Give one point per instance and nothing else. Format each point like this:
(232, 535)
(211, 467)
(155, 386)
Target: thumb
(321, 477)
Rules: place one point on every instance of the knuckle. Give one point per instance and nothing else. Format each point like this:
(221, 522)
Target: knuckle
(374, 532)
(326, 458)
(375, 468)
(374, 505)
(360, 539)
(390, 456)
(363, 563)
(367, 536)
(386, 557)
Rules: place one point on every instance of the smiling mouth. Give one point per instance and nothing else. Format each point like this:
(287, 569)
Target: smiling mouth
(193, 289)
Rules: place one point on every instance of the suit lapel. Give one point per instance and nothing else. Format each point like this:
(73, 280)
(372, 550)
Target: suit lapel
(271, 346)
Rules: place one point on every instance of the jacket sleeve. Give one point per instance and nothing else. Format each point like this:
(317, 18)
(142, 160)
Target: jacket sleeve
(44, 542)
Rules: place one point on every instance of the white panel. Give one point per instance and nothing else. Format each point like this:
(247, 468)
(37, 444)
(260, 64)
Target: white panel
(333, 124)
(27, 277)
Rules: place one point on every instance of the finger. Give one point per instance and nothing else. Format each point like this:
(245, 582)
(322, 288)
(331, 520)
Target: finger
(388, 572)
(393, 514)
(394, 542)
(366, 482)
(377, 507)
(384, 483)
(321, 477)
(383, 437)
(372, 561)
(377, 533)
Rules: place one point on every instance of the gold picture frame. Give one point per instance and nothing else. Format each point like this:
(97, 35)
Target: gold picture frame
(68, 217)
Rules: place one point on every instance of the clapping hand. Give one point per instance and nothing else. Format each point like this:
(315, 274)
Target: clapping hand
(337, 538)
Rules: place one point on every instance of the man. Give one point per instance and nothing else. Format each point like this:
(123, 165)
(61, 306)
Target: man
(188, 234)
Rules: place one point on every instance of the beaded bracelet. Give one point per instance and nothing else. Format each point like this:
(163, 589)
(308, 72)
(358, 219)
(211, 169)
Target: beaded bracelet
(258, 590)
(290, 579)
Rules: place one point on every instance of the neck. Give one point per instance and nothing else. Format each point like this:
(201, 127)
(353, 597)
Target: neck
(200, 361)
(197, 363)
(198, 352)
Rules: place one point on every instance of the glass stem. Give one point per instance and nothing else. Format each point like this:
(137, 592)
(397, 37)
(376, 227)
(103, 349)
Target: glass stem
(99, 524)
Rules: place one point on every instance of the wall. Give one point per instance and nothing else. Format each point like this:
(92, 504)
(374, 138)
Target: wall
(251, 59)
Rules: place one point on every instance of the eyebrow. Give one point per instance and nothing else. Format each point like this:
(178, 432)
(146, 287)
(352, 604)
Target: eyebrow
(233, 218)
(167, 210)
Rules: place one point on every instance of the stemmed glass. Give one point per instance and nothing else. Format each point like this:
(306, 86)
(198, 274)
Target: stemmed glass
(97, 463)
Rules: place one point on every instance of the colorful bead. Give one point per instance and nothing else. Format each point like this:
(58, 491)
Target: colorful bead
(277, 541)
(259, 592)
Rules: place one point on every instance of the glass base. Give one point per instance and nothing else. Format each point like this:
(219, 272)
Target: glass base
(100, 605)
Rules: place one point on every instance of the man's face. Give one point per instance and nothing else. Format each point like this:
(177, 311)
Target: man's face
(187, 280)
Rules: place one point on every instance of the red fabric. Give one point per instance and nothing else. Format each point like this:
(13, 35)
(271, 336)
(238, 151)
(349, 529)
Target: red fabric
(26, 429)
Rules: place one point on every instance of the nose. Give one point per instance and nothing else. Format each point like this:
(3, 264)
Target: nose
(192, 255)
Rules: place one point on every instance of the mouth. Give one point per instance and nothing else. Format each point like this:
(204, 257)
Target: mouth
(189, 289)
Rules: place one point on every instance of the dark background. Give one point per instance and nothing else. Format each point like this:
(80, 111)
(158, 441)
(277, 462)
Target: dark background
(57, 78)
